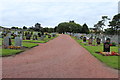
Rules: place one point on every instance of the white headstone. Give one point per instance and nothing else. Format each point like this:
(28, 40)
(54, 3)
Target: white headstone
(18, 41)
(6, 41)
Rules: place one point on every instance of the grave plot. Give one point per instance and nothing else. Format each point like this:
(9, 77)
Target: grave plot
(110, 58)
(16, 42)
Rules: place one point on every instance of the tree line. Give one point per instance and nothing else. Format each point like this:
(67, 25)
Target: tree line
(73, 27)
(114, 25)
(63, 27)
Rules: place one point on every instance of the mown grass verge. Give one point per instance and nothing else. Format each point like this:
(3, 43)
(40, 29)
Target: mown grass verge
(111, 61)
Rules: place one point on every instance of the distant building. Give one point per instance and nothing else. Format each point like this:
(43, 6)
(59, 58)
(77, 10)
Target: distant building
(92, 29)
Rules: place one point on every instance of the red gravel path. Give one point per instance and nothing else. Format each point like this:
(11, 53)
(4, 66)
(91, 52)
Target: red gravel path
(62, 57)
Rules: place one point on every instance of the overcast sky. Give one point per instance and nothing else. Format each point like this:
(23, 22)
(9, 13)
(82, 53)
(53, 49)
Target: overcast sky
(49, 13)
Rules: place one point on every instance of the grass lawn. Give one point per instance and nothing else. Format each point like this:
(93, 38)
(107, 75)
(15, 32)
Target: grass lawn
(8, 52)
(111, 61)
(34, 41)
(29, 45)
(26, 43)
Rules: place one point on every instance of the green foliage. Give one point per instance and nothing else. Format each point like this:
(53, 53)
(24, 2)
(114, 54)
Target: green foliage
(100, 24)
(29, 45)
(24, 27)
(114, 24)
(69, 27)
(85, 29)
(50, 30)
(8, 52)
(109, 31)
(45, 29)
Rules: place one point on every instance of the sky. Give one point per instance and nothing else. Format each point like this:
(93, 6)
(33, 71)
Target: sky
(49, 13)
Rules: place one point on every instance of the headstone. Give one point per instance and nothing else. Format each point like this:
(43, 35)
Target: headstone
(108, 39)
(98, 40)
(18, 41)
(9, 34)
(103, 38)
(39, 34)
(42, 33)
(84, 39)
(6, 41)
(16, 33)
(107, 46)
(42, 37)
(28, 36)
(49, 36)
(0, 34)
(21, 36)
(35, 36)
(90, 41)
(53, 35)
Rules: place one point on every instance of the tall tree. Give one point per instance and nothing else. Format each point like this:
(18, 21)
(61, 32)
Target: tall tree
(100, 24)
(24, 27)
(85, 29)
(55, 29)
(38, 27)
(69, 27)
(115, 23)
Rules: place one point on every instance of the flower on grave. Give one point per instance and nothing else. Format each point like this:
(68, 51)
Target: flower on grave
(110, 44)
(10, 47)
(18, 47)
(14, 47)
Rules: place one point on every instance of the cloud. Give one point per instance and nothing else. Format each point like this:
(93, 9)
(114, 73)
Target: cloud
(50, 13)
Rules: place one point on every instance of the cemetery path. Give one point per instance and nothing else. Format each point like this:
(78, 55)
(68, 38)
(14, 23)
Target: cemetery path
(61, 57)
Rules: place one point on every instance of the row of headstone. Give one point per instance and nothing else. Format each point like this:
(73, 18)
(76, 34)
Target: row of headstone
(7, 41)
(92, 38)
(24, 35)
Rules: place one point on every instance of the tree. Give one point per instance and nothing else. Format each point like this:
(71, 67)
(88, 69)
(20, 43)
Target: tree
(38, 27)
(55, 29)
(97, 29)
(115, 23)
(50, 30)
(13, 27)
(45, 29)
(63, 27)
(70, 26)
(100, 24)
(104, 20)
(24, 27)
(109, 31)
(85, 28)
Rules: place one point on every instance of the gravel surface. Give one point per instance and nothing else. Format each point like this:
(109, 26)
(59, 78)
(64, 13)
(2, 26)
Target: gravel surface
(61, 57)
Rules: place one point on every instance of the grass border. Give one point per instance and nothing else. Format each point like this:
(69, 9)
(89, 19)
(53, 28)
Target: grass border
(95, 55)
